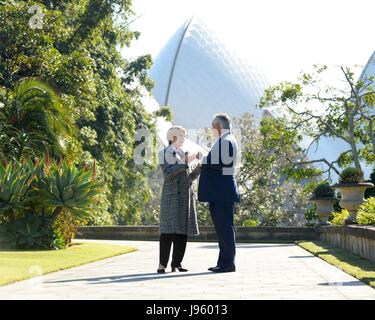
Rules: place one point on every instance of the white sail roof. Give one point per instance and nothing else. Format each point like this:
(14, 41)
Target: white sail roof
(197, 76)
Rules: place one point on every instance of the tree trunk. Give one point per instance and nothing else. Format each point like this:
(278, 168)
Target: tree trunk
(352, 140)
(56, 213)
(371, 134)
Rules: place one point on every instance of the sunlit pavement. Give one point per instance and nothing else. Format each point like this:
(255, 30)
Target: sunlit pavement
(264, 271)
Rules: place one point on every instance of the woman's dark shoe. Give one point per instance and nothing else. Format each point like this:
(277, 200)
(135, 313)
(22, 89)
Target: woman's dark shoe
(180, 269)
(161, 269)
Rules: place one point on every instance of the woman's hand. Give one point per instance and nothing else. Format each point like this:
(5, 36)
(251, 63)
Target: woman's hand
(199, 155)
(191, 158)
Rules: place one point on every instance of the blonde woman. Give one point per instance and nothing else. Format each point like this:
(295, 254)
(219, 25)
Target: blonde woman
(178, 217)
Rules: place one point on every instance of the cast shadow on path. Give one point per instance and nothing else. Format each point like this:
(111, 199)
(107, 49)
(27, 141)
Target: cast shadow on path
(243, 245)
(133, 278)
(301, 257)
(344, 284)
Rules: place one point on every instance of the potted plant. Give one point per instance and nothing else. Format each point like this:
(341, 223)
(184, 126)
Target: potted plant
(352, 189)
(324, 198)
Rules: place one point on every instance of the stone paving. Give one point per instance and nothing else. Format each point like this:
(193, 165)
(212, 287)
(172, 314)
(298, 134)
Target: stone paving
(264, 271)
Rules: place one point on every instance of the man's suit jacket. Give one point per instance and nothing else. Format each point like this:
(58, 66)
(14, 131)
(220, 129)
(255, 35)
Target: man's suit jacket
(217, 181)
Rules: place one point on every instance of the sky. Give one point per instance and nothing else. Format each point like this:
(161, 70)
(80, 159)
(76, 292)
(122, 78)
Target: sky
(283, 36)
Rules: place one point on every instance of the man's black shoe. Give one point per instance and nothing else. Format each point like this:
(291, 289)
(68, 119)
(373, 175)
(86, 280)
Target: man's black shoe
(221, 270)
(212, 268)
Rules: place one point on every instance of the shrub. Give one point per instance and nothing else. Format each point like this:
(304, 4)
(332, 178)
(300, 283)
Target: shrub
(41, 203)
(64, 230)
(366, 212)
(323, 190)
(370, 192)
(339, 217)
(311, 216)
(29, 232)
(14, 186)
(351, 175)
(65, 187)
(250, 223)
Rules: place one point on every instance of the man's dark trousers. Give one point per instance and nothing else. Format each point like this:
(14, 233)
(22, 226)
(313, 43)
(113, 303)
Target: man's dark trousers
(222, 214)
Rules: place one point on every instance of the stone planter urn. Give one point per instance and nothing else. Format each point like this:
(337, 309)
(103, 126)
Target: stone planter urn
(352, 196)
(324, 206)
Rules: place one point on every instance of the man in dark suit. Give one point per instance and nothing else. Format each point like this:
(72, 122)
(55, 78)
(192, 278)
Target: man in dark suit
(218, 187)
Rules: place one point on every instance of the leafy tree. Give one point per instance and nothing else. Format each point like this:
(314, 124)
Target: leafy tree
(317, 109)
(36, 122)
(18, 145)
(76, 51)
(270, 194)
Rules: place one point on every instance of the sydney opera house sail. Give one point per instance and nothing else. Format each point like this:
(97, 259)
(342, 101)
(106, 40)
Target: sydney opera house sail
(369, 70)
(197, 76)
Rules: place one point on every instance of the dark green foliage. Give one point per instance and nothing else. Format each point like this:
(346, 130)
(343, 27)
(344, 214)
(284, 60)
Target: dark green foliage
(41, 203)
(37, 122)
(66, 187)
(311, 216)
(164, 112)
(15, 184)
(323, 190)
(370, 192)
(29, 232)
(76, 53)
(351, 175)
(17, 144)
(38, 110)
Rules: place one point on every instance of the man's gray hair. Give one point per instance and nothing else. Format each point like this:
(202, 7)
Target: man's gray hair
(223, 120)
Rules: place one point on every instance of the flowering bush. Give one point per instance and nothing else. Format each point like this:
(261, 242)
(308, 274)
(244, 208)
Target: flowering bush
(366, 212)
(339, 217)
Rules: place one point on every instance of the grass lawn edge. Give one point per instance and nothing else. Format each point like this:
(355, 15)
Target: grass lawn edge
(126, 250)
(354, 265)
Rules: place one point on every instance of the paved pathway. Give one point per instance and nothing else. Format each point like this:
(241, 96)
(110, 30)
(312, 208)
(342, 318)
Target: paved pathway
(265, 271)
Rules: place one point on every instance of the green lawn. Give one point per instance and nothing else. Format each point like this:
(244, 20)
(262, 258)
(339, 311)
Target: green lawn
(20, 265)
(352, 264)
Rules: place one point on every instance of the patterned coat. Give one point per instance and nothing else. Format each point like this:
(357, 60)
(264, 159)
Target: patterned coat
(177, 207)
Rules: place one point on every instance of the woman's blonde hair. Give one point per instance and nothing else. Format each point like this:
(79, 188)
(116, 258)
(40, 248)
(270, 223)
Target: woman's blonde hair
(175, 131)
